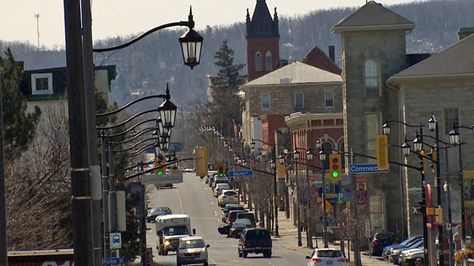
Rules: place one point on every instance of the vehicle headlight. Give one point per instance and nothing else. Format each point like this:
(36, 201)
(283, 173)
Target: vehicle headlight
(396, 252)
(167, 243)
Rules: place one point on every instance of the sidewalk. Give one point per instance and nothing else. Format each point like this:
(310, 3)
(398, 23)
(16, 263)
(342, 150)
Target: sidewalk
(289, 239)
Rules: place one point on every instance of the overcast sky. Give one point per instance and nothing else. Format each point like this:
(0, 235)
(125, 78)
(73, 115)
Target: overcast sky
(121, 17)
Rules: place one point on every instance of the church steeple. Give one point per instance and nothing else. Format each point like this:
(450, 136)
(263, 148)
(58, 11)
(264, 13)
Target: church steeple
(263, 41)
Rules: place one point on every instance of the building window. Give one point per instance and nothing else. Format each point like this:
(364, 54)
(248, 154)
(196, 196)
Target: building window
(329, 99)
(268, 61)
(41, 84)
(372, 78)
(451, 116)
(376, 205)
(372, 130)
(327, 148)
(258, 62)
(265, 100)
(299, 100)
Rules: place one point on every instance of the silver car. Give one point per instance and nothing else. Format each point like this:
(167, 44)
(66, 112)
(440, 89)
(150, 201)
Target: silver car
(191, 250)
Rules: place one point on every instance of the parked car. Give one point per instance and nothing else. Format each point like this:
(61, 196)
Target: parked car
(326, 256)
(210, 176)
(227, 196)
(255, 240)
(238, 226)
(379, 242)
(395, 256)
(230, 207)
(247, 215)
(219, 188)
(408, 257)
(191, 250)
(232, 216)
(218, 180)
(157, 211)
(387, 251)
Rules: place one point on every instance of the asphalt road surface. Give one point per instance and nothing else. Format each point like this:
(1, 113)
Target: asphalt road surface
(194, 198)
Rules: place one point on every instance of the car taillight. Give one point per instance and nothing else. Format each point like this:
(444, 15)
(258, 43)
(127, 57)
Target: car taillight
(315, 260)
(341, 260)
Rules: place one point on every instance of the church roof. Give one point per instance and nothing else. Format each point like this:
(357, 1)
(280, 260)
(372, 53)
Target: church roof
(455, 61)
(373, 16)
(296, 73)
(262, 24)
(319, 59)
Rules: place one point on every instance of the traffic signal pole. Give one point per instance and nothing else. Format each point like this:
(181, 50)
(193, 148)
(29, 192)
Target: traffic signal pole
(325, 237)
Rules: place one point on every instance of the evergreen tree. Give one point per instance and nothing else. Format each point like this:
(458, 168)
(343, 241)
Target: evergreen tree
(19, 127)
(226, 105)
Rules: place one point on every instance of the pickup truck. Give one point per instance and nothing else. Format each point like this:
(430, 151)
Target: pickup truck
(255, 240)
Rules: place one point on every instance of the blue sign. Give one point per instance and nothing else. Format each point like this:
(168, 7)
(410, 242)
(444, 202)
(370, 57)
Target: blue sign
(114, 261)
(363, 168)
(234, 173)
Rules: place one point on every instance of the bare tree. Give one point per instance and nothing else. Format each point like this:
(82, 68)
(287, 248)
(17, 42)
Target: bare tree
(38, 187)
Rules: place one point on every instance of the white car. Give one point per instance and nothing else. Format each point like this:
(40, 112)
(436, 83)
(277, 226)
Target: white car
(219, 187)
(227, 196)
(326, 256)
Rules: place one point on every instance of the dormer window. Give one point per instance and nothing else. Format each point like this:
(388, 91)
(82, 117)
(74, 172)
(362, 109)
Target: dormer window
(268, 61)
(41, 83)
(258, 62)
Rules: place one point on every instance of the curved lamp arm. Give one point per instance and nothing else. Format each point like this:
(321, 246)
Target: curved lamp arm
(145, 130)
(139, 151)
(136, 144)
(403, 123)
(162, 96)
(128, 120)
(129, 129)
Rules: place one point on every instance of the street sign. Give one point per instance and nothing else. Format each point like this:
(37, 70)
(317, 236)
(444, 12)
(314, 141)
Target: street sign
(162, 179)
(340, 197)
(115, 240)
(364, 168)
(114, 261)
(235, 173)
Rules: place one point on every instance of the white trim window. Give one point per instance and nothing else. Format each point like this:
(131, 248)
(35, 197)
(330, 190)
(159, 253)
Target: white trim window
(41, 83)
(265, 101)
(372, 78)
(329, 99)
(372, 130)
(258, 61)
(299, 100)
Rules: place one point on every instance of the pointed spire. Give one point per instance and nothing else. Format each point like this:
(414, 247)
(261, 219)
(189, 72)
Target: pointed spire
(248, 16)
(275, 15)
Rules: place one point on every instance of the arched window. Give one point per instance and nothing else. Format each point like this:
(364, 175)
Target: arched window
(258, 62)
(372, 78)
(268, 61)
(327, 148)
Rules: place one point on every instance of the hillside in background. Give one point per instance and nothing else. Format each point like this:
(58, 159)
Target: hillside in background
(146, 67)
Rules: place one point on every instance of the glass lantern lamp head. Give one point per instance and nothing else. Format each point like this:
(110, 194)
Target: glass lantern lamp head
(309, 155)
(272, 164)
(296, 154)
(432, 123)
(418, 143)
(322, 156)
(406, 149)
(386, 128)
(319, 144)
(454, 137)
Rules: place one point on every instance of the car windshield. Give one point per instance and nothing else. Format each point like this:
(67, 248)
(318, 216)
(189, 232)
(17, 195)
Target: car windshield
(328, 253)
(241, 223)
(191, 243)
(230, 193)
(174, 231)
(161, 210)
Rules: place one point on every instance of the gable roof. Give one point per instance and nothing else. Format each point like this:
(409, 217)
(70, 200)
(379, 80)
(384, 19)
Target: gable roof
(296, 73)
(455, 60)
(373, 16)
(319, 59)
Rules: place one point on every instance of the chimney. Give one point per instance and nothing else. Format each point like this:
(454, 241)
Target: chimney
(331, 53)
(464, 32)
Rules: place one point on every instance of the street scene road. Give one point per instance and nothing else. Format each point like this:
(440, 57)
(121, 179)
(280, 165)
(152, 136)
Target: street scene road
(195, 198)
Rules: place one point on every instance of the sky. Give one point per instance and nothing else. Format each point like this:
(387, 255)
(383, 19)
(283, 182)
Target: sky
(110, 18)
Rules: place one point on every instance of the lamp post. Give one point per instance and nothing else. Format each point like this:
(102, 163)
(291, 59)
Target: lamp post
(309, 200)
(454, 139)
(322, 158)
(275, 191)
(296, 157)
(433, 126)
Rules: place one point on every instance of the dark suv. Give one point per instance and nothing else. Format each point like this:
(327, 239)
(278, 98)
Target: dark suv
(380, 241)
(255, 240)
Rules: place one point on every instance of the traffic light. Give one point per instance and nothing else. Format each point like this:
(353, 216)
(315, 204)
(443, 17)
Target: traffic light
(335, 166)
(422, 161)
(221, 170)
(434, 159)
(382, 152)
(160, 168)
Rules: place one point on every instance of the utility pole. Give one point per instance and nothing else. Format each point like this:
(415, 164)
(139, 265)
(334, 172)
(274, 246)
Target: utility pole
(37, 16)
(357, 259)
(3, 212)
(89, 92)
(80, 172)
